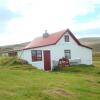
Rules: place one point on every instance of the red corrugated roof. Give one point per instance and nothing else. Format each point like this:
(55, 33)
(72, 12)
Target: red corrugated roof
(51, 40)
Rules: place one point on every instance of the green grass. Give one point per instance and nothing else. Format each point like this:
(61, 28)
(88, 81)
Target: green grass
(96, 59)
(22, 82)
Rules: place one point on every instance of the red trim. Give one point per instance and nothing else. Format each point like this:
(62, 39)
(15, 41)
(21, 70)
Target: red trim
(77, 41)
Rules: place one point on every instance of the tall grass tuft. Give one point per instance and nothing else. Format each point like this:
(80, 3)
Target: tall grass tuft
(12, 61)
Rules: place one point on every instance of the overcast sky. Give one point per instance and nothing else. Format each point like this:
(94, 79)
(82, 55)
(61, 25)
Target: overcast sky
(24, 20)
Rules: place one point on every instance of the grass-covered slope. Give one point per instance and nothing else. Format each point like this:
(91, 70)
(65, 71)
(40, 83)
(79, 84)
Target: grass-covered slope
(9, 61)
(93, 42)
(22, 82)
(96, 59)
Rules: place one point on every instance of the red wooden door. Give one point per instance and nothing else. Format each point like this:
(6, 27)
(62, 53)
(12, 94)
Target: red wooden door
(47, 60)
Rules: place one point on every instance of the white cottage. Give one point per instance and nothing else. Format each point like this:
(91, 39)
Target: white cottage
(44, 52)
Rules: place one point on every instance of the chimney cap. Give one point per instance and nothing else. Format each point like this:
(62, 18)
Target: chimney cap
(46, 31)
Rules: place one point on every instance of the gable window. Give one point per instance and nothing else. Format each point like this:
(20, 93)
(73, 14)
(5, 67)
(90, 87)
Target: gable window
(66, 38)
(36, 55)
(67, 54)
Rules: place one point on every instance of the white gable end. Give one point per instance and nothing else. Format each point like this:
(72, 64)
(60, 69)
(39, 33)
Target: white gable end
(77, 51)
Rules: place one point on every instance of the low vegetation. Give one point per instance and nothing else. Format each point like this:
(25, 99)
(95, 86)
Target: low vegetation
(9, 61)
(23, 82)
(96, 59)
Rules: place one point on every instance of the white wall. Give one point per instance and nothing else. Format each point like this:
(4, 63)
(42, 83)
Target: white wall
(85, 55)
(57, 52)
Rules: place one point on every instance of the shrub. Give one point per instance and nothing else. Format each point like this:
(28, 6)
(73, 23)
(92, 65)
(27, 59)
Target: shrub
(5, 60)
(17, 61)
(12, 61)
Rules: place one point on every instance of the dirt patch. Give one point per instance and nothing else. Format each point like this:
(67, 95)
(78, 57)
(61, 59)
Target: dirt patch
(62, 92)
(59, 91)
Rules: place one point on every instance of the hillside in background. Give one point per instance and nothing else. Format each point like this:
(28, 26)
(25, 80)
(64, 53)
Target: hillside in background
(93, 42)
(13, 47)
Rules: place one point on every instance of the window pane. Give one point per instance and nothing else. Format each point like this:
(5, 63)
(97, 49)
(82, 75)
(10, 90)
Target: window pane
(39, 51)
(66, 38)
(34, 58)
(33, 52)
(67, 54)
(39, 55)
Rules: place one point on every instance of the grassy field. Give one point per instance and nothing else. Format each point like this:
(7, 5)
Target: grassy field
(22, 82)
(96, 59)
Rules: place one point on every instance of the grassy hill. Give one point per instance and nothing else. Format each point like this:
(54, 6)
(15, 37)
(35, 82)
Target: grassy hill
(92, 42)
(13, 47)
(23, 82)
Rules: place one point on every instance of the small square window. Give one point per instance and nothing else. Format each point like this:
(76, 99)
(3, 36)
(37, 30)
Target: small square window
(66, 38)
